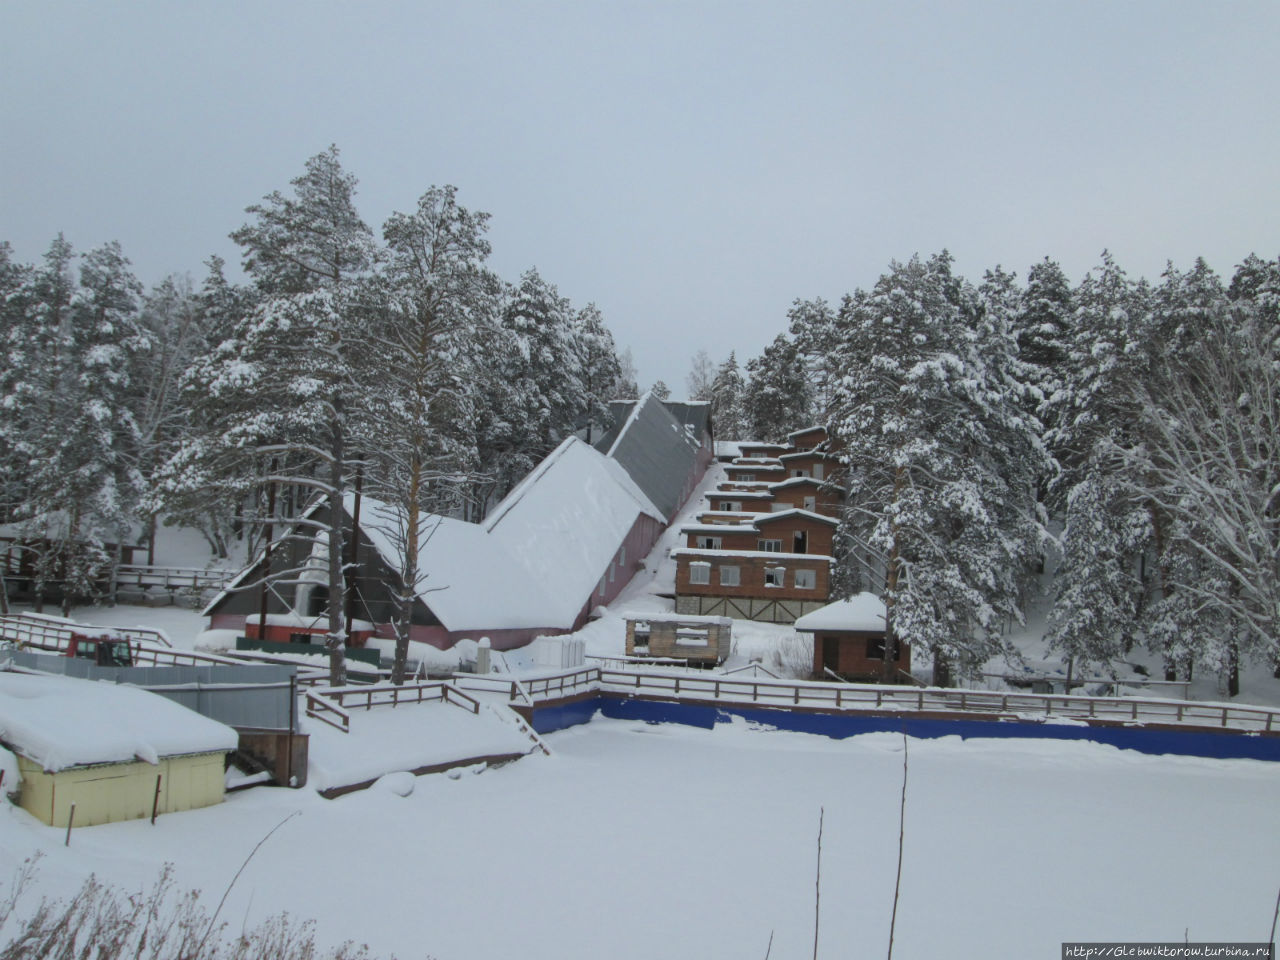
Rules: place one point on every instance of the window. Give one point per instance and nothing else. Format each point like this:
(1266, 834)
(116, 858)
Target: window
(733, 505)
(699, 572)
(817, 471)
(769, 546)
(746, 476)
(600, 589)
(799, 473)
(811, 504)
(806, 580)
(779, 507)
(730, 577)
(622, 557)
(708, 543)
(775, 576)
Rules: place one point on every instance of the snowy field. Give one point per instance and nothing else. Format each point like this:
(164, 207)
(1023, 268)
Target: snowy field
(644, 841)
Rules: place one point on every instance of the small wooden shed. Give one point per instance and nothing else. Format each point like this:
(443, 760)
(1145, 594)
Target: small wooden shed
(114, 751)
(849, 638)
(700, 640)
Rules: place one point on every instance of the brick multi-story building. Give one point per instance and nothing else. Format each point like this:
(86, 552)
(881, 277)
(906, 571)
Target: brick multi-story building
(763, 549)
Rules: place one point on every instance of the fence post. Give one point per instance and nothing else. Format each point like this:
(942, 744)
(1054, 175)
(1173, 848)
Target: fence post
(71, 817)
(155, 803)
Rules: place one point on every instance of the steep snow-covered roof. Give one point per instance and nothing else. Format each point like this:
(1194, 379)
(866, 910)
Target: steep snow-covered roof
(657, 443)
(565, 522)
(864, 612)
(472, 582)
(61, 722)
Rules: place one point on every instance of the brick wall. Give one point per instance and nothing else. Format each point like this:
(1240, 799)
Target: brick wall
(751, 575)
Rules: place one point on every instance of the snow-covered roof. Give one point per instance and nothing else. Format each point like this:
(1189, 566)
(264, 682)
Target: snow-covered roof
(718, 528)
(777, 515)
(864, 612)
(565, 522)
(658, 443)
(804, 430)
(800, 481)
(815, 452)
(679, 618)
(472, 582)
(536, 560)
(758, 492)
(711, 554)
(61, 722)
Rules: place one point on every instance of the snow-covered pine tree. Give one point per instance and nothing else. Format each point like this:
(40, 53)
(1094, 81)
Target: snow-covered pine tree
(726, 401)
(552, 394)
(1209, 413)
(202, 481)
(597, 359)
(777, 398)
(940, 459)
(281, 387)
(813, 324)
(1042, 325)
(84, 478)
(171, 316)
(37, 354)
(15, 345)
(1107, 525)
(439, 307)
(503, 433)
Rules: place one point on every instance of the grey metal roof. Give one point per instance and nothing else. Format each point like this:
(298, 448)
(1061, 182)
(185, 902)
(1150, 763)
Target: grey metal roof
(657, 443)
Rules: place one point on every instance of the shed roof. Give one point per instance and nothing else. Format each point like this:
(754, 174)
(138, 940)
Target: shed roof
(61, 722)
(864, 613)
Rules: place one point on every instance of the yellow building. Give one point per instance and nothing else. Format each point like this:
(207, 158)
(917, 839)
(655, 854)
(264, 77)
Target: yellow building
(113, 751)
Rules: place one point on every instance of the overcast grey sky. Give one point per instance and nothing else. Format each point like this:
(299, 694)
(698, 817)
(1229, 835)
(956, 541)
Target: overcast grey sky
(691, 167)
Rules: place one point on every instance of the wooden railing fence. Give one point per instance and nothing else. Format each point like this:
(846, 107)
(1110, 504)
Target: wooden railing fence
(140, 577)
(853, 697)
(48, 634)
(327, 703)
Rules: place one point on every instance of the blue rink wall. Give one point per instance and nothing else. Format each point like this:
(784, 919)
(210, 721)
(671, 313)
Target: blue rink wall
(1192, 743)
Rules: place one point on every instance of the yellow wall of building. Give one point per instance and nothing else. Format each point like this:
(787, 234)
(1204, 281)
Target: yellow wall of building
(110, 792)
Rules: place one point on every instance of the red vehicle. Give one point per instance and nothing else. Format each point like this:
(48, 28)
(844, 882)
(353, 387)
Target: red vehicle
(104, 650)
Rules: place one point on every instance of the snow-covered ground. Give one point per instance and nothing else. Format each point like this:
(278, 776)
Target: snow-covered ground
(639, 841)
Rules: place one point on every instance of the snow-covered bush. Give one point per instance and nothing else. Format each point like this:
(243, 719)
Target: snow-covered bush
(162, 924)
